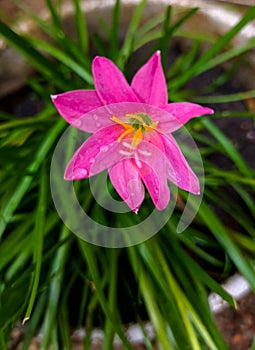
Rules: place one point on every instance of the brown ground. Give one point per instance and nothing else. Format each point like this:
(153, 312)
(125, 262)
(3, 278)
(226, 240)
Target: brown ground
(238, 327)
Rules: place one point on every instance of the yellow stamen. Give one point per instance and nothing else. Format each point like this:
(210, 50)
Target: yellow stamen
(128, 131)
(137, 117)
(137, 138)
(138, 130)
(153, 126)
(119, 121)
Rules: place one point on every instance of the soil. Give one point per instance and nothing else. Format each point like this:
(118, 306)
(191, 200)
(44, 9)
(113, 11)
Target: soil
(238, 326)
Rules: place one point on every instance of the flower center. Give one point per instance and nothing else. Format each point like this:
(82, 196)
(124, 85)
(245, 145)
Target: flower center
(137, 125)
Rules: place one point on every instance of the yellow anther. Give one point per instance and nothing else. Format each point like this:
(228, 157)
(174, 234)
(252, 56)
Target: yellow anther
(125, 133)
(119, 121)
(153, 126)
(137, 117)
(137, 138)
(132, 127)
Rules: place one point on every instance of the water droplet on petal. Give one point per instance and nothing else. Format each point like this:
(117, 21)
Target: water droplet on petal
(136, 210)
(81, 157)
(104, 149)
(78, 123)
(98, 124)
(81, 172)
(95, 117)
(92, 160)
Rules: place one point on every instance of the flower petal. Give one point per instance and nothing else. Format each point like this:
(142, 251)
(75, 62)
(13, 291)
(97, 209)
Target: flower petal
(179, 172)
(149, 82)
(110, 83)
(152, 164)
(99, 152)
(127, 182)
(184, 111)
(73, 105)
(156, 185)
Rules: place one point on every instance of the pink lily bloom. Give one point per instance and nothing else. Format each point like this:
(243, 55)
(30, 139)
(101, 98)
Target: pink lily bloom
(132, 129)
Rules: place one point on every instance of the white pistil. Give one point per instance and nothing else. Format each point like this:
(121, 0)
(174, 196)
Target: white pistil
(144, 153)
(137, 161)
(125, 153)
(128, 145)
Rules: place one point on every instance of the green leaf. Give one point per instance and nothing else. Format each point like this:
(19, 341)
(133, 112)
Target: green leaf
(228, 146)
(81, 27)
(221, 234)
(25, 182)
(220, 44)
(17, 293)
(36, 59)
(127, 46)
(38, 237)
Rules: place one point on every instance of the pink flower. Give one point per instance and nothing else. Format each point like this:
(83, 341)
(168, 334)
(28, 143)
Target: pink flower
(131, 126)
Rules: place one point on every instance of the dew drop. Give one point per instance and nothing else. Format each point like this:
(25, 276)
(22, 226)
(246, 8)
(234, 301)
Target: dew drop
(81, 157)
(98, 124)
(78, 123)
(81, 172)
(104, 149)
(91, 160)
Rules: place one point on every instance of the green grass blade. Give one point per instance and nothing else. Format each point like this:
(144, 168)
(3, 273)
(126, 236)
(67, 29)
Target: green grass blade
(37, 60)
(87, 250)
(220, 44)
(112, 268)
(246, 196)
(148, 26)
(239, 96)
(25, 182)
(114, 34)
(81, 27)
(226, 56)
(3, 344)
(56, 275)
(221, 234)
(38, 237)
(65, 59)
(59, 37)
(154, 311)
(56, 19)
(228, 147)
(127, 46)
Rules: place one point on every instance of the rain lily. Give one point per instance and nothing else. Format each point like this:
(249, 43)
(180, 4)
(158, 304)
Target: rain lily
(132, 129)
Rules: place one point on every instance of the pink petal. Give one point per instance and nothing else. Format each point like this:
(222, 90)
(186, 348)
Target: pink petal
(184, 111)
(149, 82)
(156, 185)
(179, 171)
(153, 169)
(73, 105)
(110, 83)
(127, 182)
(99, 152)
